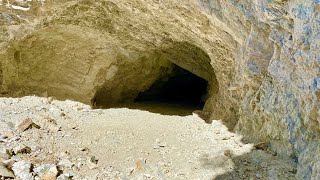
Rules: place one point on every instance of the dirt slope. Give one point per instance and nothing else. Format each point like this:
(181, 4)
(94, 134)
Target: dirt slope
(122, 143)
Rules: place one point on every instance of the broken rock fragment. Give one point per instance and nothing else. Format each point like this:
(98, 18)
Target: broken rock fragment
(228, 153)
(49, 100)
(5, 172)
(5, 153)
(22, 170)
(26, 124)
(22, 149)
(8, 163)
(92, 162)
(3, 138)
(261, 145)
(66, 176)
(47, 171)
(65, 163)
(50, 124)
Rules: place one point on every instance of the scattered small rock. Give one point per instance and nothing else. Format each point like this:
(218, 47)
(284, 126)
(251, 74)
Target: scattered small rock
(50, 124)
(140, 164)
(65, 163)
(63, 177)
(78, 108)
(73, 126)
(47, 171)
(26, 124)
(162, 144)
(22, 149)
(130, 171)
(69, 174)
(159, 144)
(7, 134)
(92, 165)
(3, 138)
(258, 176)
(84, 149)
(228, 153)
(5, 153)
(9, 163)
(93, 159)
(64, 154)
(225, 138)
(261, 145)
(49, 100)
(147, 176)
(5, 172)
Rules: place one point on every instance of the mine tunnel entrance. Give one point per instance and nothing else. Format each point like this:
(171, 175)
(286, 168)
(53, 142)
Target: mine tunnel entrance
(180, 87)
(176, 80)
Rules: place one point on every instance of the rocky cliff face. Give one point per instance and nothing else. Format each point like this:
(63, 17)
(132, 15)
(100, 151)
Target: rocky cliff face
(260, 57)
(278, 74)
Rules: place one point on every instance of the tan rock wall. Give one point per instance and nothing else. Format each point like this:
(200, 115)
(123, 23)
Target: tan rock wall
(92, 45)
(261, 58)
(278, 74)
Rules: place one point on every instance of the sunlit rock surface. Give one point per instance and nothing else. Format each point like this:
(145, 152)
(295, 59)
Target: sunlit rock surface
(261, 59)
(278, 74)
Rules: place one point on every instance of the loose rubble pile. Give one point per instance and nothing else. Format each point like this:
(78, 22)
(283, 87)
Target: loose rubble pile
(20, 147)
(19, 154)
(46, 139)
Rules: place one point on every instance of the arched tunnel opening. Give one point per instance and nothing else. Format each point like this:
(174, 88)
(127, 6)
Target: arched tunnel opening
(180, 87)
(176, 80)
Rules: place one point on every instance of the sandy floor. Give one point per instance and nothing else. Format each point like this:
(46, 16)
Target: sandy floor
(122, 143)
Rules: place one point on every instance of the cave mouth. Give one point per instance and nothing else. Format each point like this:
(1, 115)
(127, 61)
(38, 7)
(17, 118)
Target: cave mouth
(175, 80)
(179, 88)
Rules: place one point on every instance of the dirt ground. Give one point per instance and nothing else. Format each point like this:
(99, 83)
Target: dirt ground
(145, 141)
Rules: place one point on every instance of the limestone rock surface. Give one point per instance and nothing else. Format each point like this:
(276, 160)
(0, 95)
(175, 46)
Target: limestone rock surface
(260, 57)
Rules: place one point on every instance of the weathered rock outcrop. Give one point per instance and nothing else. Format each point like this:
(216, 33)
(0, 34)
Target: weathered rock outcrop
(278, 75)
(261, 59)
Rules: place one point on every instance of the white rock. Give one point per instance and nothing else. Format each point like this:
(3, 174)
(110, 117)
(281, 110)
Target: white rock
(3, 138)
(22, 169)
(47, 171)
(65, 163)
(147, 176)
(63, 177)
(49, 100)
(92, 165)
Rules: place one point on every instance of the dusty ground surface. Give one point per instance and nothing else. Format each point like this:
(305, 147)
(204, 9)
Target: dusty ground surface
(123, 143)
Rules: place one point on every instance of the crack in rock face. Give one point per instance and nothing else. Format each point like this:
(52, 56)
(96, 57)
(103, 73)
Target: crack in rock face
(259, 61)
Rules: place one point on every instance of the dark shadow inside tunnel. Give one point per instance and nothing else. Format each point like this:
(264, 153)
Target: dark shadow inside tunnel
(178, 93)
(181, 81)
(181, 87)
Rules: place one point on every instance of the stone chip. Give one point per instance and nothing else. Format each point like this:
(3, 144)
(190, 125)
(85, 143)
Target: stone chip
(26, 124)
(5, 172)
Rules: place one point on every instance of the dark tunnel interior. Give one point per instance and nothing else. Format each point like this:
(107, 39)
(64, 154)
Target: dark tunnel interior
(180, 88)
